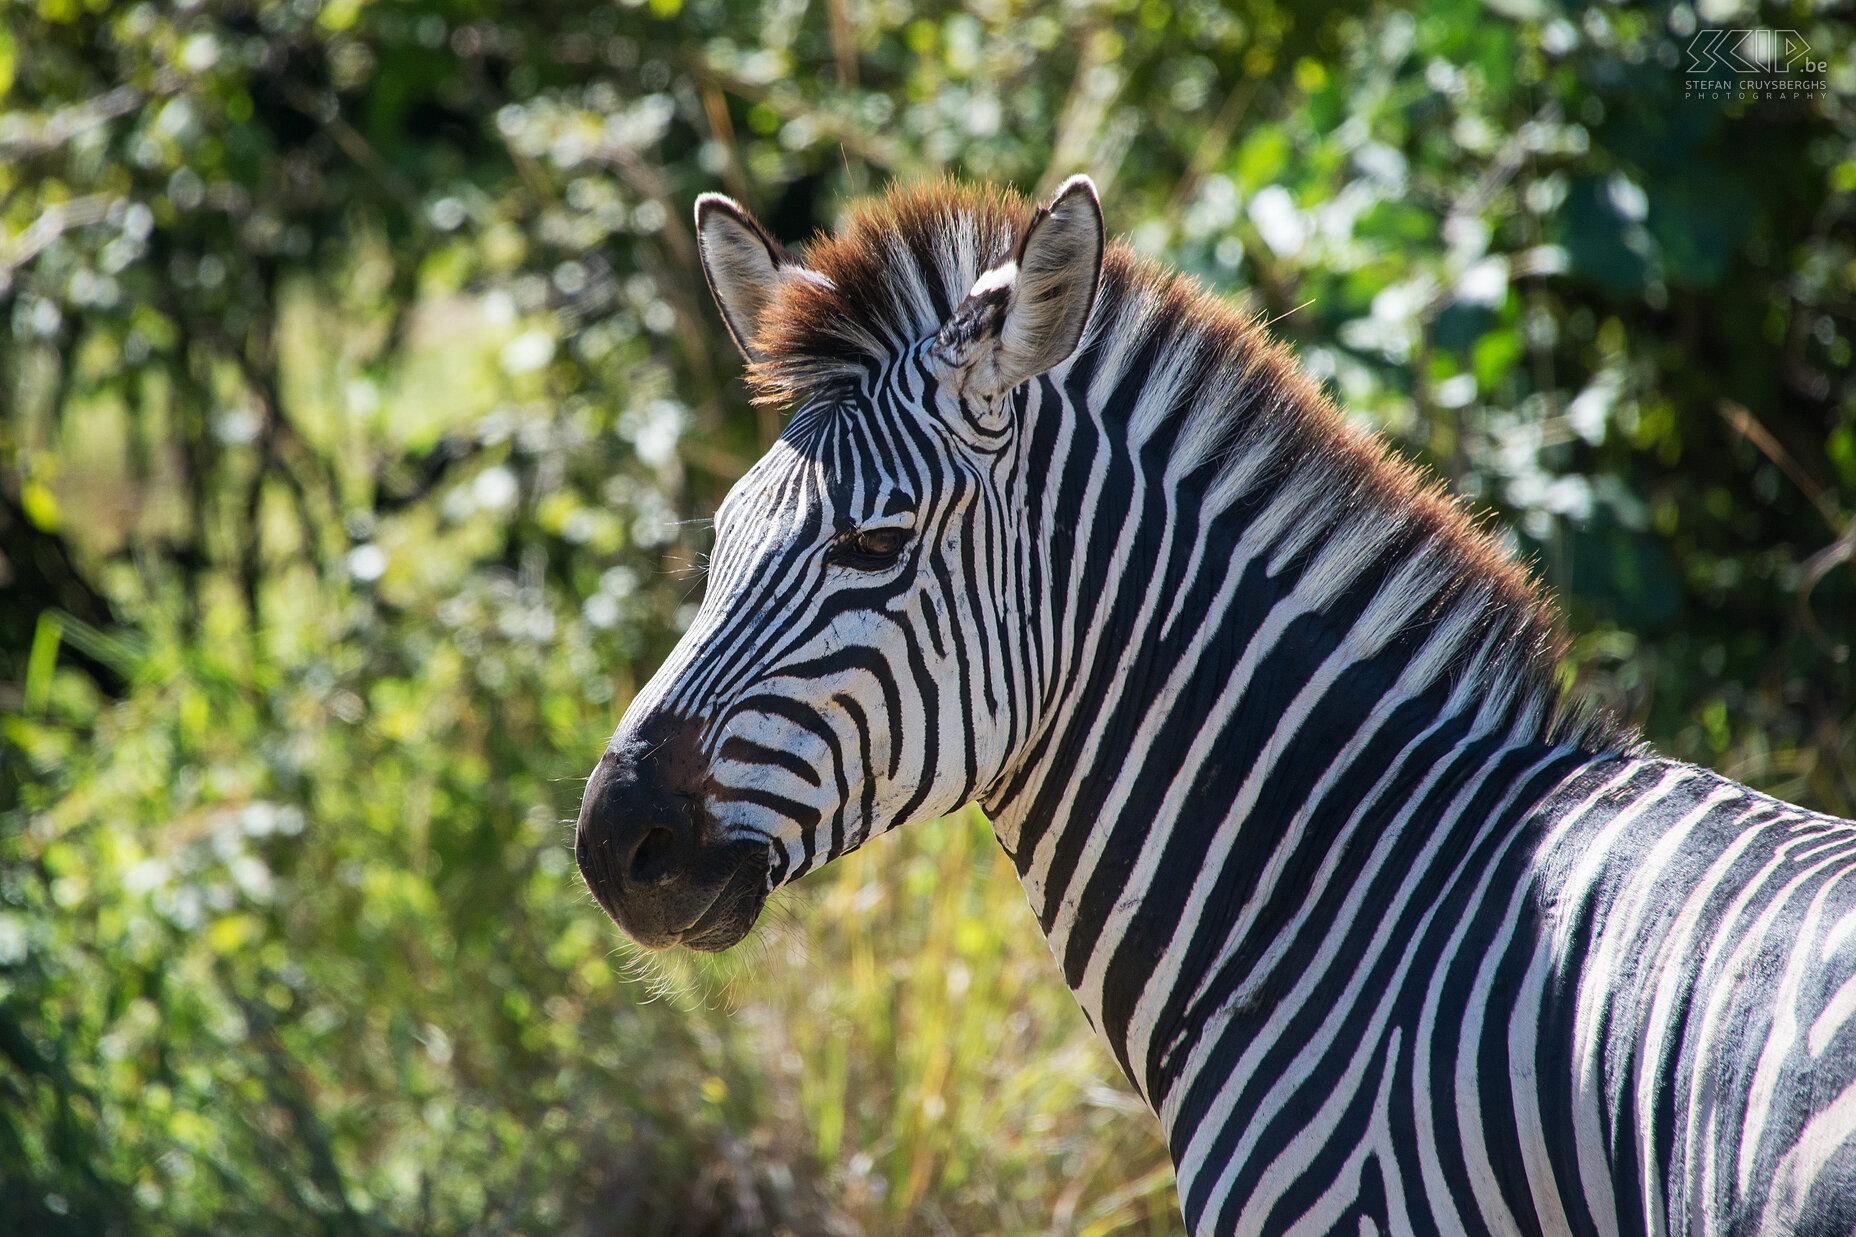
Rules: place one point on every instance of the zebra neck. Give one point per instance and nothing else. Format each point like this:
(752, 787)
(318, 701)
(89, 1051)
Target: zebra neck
(1272, 654)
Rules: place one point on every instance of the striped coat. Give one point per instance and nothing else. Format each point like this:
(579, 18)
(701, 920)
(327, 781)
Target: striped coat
(1392, 935)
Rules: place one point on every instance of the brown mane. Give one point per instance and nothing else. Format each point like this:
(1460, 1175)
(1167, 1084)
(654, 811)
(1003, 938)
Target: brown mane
(900, 262)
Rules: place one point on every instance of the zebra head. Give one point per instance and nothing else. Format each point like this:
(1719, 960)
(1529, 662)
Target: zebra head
(856, 663)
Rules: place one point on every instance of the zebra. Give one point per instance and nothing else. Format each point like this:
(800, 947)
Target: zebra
(1392, 932)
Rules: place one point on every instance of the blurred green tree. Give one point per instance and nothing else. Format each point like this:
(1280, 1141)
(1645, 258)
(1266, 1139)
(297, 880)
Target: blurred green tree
(361, 405)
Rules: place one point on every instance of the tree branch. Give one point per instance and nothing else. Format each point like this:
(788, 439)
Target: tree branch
(23, 139)
(81, 212)
(874, 148)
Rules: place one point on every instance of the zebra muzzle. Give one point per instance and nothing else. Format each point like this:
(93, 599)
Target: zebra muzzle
(650, 852)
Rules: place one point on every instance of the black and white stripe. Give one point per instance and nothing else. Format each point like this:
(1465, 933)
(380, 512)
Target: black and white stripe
(1392, 937)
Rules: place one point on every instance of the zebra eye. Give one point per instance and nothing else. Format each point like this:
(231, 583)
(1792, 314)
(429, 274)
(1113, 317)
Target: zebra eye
(873, 548)
(881, 542)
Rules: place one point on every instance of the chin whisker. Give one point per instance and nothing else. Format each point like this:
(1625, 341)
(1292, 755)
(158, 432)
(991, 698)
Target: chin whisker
(688, 980)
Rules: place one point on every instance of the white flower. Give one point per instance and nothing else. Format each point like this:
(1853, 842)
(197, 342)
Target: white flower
(367, 563)
(495, 488)
(528, 351)
(1278, 221)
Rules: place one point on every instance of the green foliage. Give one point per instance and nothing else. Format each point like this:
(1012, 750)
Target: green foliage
(361, 405)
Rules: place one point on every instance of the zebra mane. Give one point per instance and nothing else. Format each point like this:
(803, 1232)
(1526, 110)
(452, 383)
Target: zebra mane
(900, 263)
(893, 274)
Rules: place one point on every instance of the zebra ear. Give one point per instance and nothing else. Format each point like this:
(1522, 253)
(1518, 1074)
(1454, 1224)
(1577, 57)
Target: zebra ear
(744, 266)
(1027, 314)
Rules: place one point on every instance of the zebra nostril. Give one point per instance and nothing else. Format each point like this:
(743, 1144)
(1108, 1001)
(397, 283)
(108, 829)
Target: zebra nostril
(653, 859)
